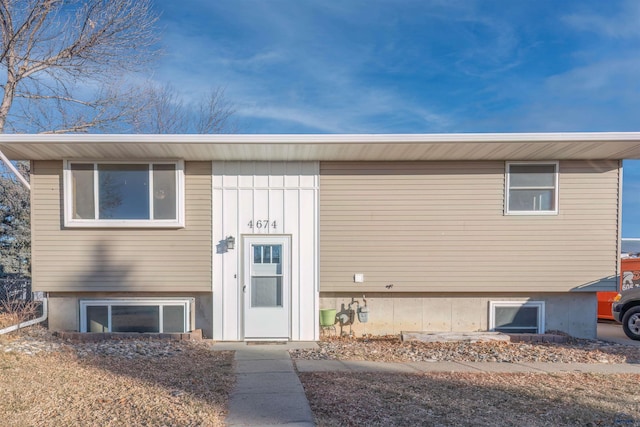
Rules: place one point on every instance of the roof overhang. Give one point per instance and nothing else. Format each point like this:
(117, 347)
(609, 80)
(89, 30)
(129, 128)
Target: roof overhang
(308, 147)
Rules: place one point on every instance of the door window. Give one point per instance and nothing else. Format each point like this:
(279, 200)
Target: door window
(266, 276)
(266, 254)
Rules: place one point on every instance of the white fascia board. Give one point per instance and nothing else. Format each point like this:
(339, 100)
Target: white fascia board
(325, 147)
(316, 138)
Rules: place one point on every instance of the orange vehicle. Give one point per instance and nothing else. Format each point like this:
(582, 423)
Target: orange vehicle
(629, 278)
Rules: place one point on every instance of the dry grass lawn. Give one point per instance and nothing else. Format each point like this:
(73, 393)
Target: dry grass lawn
(62, 389)
(462, 399)
(466, 399)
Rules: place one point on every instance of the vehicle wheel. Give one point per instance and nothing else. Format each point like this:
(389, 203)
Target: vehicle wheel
(631, 323)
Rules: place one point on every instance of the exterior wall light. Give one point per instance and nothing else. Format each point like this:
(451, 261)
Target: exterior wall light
(231, 242)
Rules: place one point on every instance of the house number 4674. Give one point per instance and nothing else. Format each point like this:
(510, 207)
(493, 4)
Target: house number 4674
(262, 224)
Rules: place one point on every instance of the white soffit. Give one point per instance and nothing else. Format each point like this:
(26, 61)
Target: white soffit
(310, 147)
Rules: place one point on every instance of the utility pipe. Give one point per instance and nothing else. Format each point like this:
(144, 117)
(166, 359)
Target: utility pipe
(14, 170)
(40, 319)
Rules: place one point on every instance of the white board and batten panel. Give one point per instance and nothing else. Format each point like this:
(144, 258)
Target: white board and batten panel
(265, 198)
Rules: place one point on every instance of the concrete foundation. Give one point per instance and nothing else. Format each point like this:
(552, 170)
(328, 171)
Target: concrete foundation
(64, 314)
(392, 313)
(389, 313)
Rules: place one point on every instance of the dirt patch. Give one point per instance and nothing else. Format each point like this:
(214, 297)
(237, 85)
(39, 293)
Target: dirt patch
(47, 382)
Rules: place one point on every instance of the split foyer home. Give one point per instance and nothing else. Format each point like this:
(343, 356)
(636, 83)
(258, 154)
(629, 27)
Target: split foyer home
(248, 237)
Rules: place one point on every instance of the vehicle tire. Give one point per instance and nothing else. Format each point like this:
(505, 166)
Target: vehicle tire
(631, 323)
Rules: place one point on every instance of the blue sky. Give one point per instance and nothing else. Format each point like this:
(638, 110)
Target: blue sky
(404, 66)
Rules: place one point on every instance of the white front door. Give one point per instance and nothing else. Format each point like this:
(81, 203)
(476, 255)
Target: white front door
(266, 287)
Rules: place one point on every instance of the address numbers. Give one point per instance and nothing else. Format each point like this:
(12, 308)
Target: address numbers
(262, 224)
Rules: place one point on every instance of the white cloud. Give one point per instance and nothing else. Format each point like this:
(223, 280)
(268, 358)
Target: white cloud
(624, 24)
(356, 116)
(599, 96)
(300, 74)
(414, 67)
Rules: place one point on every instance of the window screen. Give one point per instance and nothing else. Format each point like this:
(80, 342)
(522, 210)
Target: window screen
(531, 188)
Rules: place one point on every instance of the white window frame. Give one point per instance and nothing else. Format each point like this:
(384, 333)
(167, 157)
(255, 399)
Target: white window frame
(540, 305)
(160, 302)
(71, 222)
(507, 191)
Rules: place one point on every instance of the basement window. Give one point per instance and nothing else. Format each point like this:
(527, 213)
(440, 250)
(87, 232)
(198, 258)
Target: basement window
(136, 315)
(517, 316)
(124, 194)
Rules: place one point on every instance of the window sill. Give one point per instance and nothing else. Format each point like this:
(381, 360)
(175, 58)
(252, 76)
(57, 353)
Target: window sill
(532, 213)
(123, 224)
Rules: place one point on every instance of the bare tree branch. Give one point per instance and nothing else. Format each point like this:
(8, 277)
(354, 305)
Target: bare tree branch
(215, 114)
(65, 62)
(51, 46)
(163, 110)
(110, 111)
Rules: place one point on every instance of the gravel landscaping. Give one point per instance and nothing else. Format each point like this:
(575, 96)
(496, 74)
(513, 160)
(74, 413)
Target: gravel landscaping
(392, 349)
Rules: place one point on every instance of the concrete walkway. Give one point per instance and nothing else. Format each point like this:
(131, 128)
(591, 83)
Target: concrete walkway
(268, 391)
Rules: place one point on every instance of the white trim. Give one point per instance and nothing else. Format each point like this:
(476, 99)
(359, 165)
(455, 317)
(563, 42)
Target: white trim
(619, 228)
(555, 188)
(539, 304)
(160, 302)
(71, 222)
(150, 192)
(245, 300)
(304, 147)
(324, 139)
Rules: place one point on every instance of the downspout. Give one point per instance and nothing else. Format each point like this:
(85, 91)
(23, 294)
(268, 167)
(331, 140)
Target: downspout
(619, 227)
(45, 310)
(20, 325)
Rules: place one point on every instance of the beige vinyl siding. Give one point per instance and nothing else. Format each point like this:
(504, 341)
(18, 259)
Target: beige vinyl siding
(441, 227)
(120, 259)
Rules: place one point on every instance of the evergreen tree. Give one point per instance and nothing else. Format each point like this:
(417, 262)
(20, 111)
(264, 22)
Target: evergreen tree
(15, 234)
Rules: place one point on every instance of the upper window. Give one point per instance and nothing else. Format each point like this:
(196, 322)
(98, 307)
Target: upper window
(123, 194)
(532, 188)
